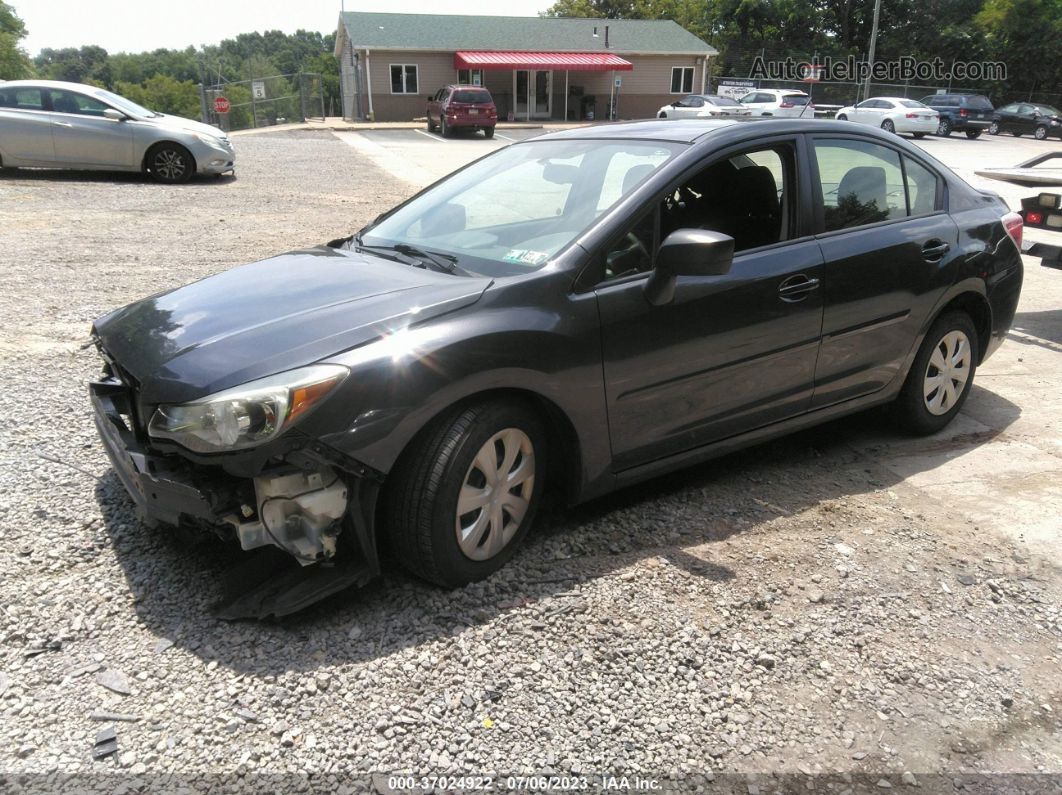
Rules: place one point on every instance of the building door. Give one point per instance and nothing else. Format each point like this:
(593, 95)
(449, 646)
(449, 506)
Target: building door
(533, 93)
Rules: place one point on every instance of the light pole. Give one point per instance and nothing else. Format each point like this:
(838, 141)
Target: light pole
(873, 45)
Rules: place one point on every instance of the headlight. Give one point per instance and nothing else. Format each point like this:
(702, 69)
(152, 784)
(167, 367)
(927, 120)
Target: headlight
(210, 140)
(247, 415)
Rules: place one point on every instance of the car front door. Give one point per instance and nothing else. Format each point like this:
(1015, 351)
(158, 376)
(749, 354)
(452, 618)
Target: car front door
(83, 136)
(889, 246)
(728, 353)
(25, 126)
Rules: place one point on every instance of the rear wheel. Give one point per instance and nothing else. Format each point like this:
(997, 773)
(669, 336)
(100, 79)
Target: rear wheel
(444, 131)
(488, 132)
(1016, 132)
(993, 128)
(888, 126)
(431, 127)
(972, 134)
(170, 163)
(662, 115)
(1041, 132)
(465, 494)
(944, 128)
(940, 377)
(842, 117)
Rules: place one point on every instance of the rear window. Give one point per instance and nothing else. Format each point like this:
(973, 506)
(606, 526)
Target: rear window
(477, 95)
(978, 103)
(723, 101)
(1047, 110)
(795, 99)
(910, 103)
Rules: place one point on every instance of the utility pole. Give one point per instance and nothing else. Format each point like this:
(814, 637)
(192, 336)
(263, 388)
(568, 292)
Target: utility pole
(873, 45)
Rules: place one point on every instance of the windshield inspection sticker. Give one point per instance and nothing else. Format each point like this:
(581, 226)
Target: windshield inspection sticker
(525, 256)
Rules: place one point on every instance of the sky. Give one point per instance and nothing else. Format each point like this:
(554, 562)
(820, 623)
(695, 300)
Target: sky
(137, 25)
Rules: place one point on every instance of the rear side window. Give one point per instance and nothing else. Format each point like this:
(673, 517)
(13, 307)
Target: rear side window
(922, 187)
(862, 183)
(479, 96)
(978, 103)
(21, 98)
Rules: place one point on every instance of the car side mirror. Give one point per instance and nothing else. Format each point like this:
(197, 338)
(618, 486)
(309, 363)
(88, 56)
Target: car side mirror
(113, 115)
(687, 252)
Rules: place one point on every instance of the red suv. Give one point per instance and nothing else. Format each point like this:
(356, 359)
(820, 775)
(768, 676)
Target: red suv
(462, 106)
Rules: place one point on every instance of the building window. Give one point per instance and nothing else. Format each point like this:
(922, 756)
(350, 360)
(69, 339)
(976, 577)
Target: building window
(470, 77)
(403, 78)
(681, 79)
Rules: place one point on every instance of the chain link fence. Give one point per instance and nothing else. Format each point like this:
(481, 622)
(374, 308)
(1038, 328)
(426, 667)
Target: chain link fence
(265, 101)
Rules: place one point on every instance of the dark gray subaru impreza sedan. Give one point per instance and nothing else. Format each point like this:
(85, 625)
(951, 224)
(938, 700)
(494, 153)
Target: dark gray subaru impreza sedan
(569, 314)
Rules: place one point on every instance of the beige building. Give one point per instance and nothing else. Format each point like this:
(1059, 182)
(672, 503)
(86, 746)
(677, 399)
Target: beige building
(535, 67)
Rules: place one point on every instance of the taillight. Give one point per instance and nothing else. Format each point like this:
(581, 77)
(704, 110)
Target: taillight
(912, 115)
(964, 112)
(1034, 218)
(1012, 222)
(787, 105)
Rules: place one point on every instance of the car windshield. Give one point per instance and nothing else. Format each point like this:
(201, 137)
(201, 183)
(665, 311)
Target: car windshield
(479, 95)
(510, 212)
(125, 104)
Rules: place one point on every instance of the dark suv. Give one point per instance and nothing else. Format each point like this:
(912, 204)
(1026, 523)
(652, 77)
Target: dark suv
(969, 113)
(462, 106)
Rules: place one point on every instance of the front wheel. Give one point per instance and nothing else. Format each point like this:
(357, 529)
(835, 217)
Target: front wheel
(842, 117)
(944, 128)
(919, 136)
(488, 132)
(465, 494)
(661, 115)
(444, 131)
(993, 128)
(1041, 133)
(888, 126)
(170, 163)
(940, 377)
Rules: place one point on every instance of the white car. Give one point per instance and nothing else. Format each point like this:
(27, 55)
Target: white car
(893, 114)
(702, 106)
(785, 103)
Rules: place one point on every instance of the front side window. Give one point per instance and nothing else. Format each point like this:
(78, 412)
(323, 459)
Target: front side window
(510, 212)
(403, 78)
(862, 183)
(72, 102)
(681, 79)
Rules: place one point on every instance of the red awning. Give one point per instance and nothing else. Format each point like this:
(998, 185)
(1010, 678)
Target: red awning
(564, 61)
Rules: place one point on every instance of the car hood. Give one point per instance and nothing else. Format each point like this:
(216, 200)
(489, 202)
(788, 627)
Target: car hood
(186, 125)
(271, 316)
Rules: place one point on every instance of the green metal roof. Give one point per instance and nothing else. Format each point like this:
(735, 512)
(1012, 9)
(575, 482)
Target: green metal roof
(453, 32)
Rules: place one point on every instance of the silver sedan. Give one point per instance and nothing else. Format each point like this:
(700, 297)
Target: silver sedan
(49, 124)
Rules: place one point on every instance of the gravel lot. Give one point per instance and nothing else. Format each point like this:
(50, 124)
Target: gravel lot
(799, 614)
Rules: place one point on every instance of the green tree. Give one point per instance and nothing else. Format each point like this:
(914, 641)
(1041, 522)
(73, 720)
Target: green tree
(164, 94)
(14, 63)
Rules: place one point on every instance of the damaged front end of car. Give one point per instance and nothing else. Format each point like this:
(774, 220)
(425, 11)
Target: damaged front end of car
(214, 464)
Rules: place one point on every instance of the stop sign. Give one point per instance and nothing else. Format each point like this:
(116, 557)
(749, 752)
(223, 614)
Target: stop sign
(221, 105)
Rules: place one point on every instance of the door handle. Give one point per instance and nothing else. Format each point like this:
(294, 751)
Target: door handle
(797, 288)
(62, 124)
(934, 250)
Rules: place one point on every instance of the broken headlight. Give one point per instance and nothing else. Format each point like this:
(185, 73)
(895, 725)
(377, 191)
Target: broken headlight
(246, 415)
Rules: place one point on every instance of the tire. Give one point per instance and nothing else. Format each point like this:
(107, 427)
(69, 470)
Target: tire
(170, 163)
(488, 132)
(944, 128)
(1040, 134)
(1016, 132)
(993, 128)
(842, 117)
(444, 131)
(431, 127)
(888, 126)
(662, 115)
(919, 136)
(922, 410)
(973, 134)
(421, 502)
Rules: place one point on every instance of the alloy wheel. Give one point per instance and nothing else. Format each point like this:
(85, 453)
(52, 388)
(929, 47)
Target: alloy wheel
(495, 494)
(947, 372)
(169, 164)
(944, 128)
(1040, 134)
(888, 126)
(993, 128)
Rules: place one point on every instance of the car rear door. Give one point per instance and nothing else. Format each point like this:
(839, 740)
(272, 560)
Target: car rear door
(729, 353)
(889, 246)
(25, 126)
(83, 136)
(691, 106)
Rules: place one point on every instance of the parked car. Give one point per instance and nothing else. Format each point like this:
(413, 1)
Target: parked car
(49, 124)
(893, 114)
(469, 107)
(781, 103)
(968, 113)
(566, 316)
(702, 106)
(1019, 118)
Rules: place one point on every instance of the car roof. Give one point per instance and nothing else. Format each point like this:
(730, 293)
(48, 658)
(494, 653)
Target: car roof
(49, 84)
(466, 85)
(898, 99)
(689, 131)
(777, 91)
